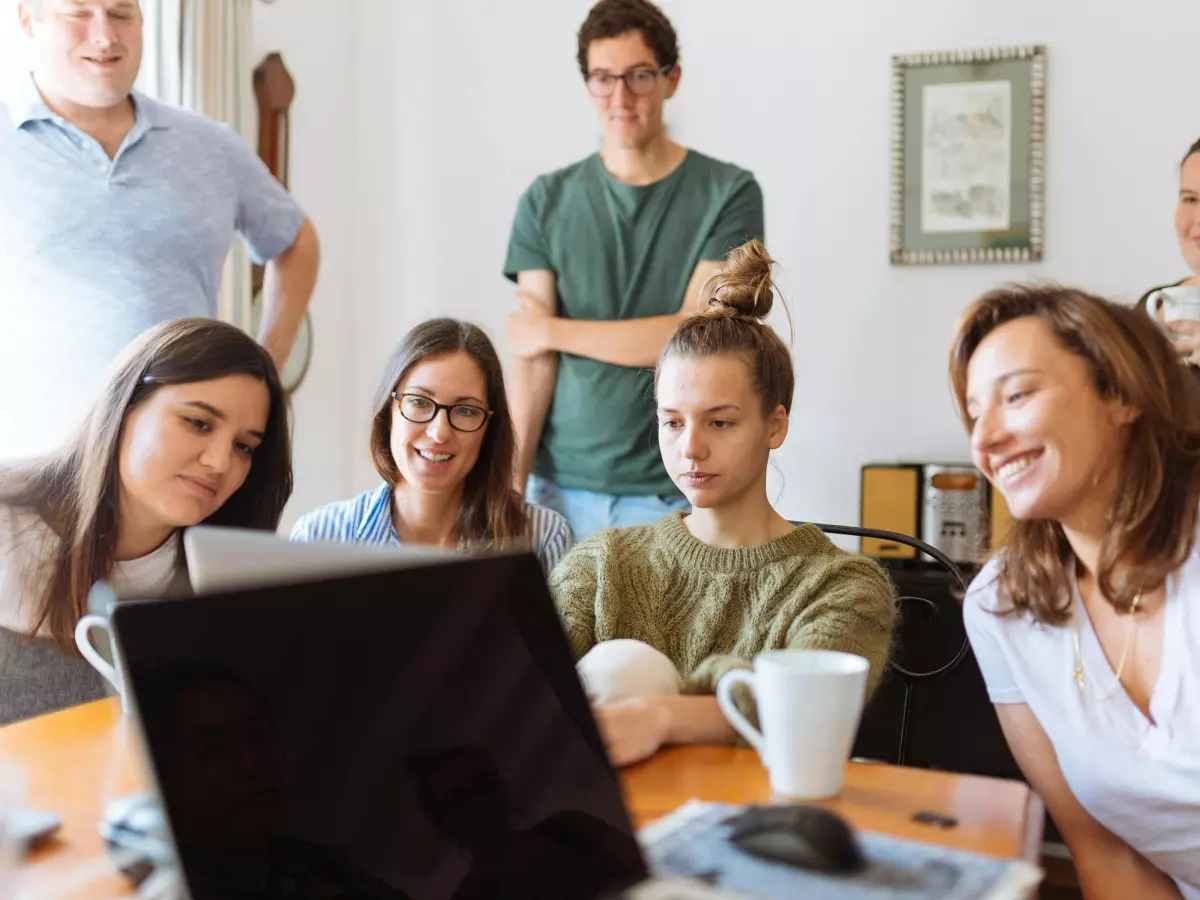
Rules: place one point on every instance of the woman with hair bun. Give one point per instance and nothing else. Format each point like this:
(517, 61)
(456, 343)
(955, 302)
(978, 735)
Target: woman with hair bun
(656, 614)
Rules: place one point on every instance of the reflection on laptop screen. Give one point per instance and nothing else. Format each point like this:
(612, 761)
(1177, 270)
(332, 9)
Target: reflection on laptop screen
(407, 734)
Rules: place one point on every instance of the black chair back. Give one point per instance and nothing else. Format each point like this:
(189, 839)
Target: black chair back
(931, 709)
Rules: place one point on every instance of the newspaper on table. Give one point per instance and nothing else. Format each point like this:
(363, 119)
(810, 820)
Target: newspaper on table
(692, 844)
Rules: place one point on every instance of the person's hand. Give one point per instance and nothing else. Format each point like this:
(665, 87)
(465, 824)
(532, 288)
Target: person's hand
(1185, 334)
(632, 729)
(529, 328)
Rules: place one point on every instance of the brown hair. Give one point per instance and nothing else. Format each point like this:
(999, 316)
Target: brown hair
(731, 323)
(76, 490)
(612, 18)
(1152, 522)
(1192, 151)
(492, 511)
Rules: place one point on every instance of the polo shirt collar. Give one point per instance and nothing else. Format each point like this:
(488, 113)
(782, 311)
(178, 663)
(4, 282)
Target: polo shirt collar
(26, 105)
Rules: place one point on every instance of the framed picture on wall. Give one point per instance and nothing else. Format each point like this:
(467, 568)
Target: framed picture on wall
(968, 156)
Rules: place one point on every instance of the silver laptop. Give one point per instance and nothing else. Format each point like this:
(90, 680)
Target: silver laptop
(223, 559)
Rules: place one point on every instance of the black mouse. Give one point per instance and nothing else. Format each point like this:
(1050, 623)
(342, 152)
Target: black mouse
(807, 837)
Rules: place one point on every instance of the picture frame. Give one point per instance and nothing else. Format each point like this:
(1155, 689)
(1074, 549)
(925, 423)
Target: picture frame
(968, 156)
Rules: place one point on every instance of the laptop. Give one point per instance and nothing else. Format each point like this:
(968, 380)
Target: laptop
(415, 730)
(227, 558)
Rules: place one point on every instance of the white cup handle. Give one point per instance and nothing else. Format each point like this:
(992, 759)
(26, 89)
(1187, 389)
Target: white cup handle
(1154, 303)
(83, 642)
(739, 722)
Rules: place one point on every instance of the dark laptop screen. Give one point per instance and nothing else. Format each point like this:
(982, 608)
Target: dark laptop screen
(418, 733)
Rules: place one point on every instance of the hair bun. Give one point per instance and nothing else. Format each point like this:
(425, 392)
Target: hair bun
(743, 286)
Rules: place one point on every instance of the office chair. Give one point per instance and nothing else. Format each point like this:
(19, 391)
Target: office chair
(908, 677)
(985, 751)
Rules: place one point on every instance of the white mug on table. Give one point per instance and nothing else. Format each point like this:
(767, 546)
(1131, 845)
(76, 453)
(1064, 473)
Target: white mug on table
(102, 597)
(809, 705)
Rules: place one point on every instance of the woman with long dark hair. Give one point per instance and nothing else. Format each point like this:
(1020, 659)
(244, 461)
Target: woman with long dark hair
(442, 440)
(190, 426)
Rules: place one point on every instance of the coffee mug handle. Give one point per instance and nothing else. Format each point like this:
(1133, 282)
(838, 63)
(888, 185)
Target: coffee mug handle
(84, 643)
(1153, 303)
(725, 701)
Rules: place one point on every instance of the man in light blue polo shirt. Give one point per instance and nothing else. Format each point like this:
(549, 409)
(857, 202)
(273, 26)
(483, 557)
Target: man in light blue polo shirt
(116, 213)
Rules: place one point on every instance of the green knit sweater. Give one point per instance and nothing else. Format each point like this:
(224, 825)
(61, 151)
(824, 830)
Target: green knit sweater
(711, 610)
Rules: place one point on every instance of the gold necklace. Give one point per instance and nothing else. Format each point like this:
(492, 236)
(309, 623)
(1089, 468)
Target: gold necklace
(1130, 635)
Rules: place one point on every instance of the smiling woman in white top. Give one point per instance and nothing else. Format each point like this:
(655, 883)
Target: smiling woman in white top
(1087, 625)
(442, 439)
(190, 426)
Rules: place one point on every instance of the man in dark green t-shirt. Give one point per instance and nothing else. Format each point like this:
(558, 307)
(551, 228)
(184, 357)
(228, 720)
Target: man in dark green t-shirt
(608, 254)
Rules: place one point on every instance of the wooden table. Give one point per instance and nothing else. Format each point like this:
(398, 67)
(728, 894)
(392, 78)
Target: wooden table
(77, 759)
(998, 817)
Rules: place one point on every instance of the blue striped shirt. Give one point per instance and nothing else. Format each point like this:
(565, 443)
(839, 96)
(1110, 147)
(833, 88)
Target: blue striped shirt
(367, 519)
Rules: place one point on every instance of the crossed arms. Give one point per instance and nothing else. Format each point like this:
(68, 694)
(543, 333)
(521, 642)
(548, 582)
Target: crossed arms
(536, 335)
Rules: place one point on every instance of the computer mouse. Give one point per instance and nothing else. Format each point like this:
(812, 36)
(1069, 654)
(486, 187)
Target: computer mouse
(807, 837)
(135, 833)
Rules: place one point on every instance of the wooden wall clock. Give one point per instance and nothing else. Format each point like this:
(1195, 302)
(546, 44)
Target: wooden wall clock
(274, 91)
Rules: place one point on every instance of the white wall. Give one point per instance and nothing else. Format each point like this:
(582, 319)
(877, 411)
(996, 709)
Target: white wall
(463, 102)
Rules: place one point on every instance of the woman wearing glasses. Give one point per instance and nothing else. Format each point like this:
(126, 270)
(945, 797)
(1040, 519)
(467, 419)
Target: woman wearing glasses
(442, 439)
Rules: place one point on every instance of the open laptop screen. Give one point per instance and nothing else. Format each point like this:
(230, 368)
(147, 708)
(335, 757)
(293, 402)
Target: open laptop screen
(416, 733)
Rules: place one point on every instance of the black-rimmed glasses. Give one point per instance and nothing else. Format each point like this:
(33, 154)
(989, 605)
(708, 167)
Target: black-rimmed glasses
(421, 409)
(639, 81)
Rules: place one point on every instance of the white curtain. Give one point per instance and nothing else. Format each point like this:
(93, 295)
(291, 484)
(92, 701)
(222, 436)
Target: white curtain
(198, 56)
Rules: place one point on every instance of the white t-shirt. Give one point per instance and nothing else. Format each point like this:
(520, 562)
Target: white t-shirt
(1140, 781)
(25, 542)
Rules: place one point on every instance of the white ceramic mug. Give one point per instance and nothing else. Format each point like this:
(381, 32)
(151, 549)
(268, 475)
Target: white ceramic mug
(1171, 304)
(110, 671)
(809, 705)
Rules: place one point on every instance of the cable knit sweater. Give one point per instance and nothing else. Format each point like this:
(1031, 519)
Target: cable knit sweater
(711, 609)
